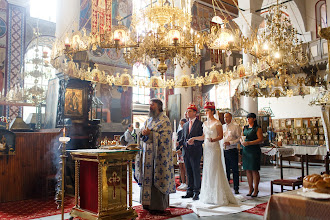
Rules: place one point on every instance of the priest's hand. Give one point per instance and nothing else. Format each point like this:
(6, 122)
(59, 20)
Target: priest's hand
(146, 131)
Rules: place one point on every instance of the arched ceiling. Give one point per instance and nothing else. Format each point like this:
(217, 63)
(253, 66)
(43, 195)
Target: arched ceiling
(44, 41)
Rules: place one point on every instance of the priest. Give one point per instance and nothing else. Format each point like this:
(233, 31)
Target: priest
(155, 168)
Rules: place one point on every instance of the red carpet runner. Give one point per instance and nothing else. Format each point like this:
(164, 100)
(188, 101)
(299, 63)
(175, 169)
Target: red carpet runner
(38, 208)
(33, 208)
(169, 213)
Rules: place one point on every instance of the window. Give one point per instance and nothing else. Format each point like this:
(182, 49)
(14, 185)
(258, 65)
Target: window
(141, 95)
(43, 9)
(321, 15)
(39, 77)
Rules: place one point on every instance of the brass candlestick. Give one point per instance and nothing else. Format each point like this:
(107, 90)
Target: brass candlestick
(60, 194)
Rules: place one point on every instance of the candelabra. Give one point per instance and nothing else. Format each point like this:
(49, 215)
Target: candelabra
(59, 197)
(278, 44)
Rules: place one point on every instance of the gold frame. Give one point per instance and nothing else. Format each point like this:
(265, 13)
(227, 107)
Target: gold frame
(298, 123)
(288, 122)
(321, 130)
(106, 159)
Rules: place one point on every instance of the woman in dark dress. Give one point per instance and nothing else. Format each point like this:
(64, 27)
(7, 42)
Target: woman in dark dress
(252, 153)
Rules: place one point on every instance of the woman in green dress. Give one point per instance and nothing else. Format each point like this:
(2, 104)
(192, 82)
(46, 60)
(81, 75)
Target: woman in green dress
(252, 153)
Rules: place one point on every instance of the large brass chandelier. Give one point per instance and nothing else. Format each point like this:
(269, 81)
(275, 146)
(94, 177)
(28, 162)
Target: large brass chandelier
(162, 31)
(278, 45)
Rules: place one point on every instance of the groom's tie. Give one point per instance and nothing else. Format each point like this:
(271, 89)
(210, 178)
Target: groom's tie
(190, 125)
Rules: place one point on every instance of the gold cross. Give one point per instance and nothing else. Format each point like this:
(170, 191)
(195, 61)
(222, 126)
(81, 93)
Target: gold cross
(114, 180)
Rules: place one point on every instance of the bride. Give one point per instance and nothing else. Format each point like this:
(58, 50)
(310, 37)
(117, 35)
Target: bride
(215, 187)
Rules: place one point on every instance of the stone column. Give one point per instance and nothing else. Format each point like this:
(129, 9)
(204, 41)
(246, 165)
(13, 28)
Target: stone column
(186, 93)
(67, 16)
(247, 20)
(15, 50)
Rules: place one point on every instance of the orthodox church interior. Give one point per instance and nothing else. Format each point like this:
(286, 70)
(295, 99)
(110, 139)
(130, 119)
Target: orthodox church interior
(75, 75)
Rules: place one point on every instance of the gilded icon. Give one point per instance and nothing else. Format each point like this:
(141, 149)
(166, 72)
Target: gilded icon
(73, 102)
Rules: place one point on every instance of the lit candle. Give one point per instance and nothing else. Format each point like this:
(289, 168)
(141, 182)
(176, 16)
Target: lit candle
(67, 42)
(64, 132)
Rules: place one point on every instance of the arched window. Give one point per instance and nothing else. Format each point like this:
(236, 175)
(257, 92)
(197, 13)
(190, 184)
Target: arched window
(141, 95)
(321, 15)
(37, 72)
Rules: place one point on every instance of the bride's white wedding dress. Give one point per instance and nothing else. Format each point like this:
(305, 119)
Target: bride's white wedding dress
(215, 188)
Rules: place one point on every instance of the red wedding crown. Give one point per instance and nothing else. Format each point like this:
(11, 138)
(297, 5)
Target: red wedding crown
(192, 106)
(209, 105)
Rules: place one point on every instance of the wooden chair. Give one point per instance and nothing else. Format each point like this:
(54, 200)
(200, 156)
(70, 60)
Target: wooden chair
(326, 162)
(290, 182)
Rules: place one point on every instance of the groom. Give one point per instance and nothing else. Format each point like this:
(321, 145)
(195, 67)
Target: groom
(192, 153)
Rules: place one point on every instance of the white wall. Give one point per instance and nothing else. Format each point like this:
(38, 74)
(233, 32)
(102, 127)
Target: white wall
(290, 107)
(67, 16)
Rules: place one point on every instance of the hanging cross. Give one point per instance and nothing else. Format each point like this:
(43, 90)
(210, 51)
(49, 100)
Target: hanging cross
(114, 180)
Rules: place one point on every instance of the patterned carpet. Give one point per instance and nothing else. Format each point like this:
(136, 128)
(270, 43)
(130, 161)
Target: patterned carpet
(38, 208)
(169, 213)
(258, 210)
(33, 208)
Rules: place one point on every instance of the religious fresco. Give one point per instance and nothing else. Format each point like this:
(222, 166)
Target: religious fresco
(85, 13)
(116, 110)
(198, 96)
(121, 9)
(73, 102)
(2, 69)
(117, 102)
(3, 23)
(201, 16)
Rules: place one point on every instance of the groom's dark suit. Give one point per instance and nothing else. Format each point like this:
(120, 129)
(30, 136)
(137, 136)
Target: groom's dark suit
(192, 156)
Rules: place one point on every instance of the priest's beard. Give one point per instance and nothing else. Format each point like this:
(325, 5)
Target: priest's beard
(153, 113)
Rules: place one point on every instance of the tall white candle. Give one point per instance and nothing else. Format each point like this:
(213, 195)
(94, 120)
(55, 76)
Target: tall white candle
(174, 125)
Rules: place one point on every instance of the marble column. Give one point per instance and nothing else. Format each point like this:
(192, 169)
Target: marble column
(15, 50)
(186, 93)
(247, 20)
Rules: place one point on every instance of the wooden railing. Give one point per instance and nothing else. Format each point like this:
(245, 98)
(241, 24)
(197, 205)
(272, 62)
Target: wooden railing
(23, 175)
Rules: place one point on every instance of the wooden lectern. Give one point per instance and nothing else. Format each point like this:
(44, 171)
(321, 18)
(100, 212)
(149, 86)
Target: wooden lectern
(101, 184)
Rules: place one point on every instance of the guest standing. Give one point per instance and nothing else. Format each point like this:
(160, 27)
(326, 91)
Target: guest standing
(136, 131)
(231, 135)
(182, 167)
(252, 153)
(128, 135)
(156, 170)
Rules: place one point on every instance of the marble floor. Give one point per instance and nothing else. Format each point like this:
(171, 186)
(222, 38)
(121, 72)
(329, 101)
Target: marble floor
(267, 173)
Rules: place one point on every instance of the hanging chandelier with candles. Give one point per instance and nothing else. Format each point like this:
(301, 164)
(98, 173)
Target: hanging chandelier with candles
(162, 31)
(278, 45)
